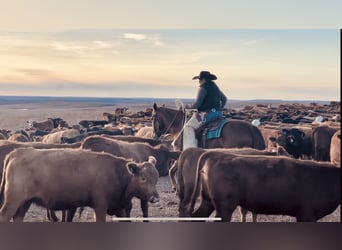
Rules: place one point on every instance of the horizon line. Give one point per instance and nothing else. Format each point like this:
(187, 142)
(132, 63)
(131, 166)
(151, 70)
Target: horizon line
(160, 98)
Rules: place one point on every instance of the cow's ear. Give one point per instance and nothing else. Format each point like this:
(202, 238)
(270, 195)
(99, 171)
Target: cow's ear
(155, 107)
(133, 168)
(302, 134)
(152, 160)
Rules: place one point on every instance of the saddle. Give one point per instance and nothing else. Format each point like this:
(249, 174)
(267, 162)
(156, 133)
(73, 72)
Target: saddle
(210, 130)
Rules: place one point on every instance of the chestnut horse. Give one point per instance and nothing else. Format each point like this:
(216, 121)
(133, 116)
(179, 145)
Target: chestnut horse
(235, 133)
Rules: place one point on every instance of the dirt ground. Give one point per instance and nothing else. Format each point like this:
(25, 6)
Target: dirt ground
(14, 117)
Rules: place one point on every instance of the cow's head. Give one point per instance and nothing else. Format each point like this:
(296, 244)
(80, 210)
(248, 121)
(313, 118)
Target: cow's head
(292, 137)
(145, 178)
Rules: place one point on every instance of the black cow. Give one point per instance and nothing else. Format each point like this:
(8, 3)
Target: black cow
(296, 142)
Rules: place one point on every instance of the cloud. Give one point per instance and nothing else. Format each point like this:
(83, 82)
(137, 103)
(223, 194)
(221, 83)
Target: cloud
(137, 37)
(102, 44)
(68, 47)
(33, 72)
(155, 39)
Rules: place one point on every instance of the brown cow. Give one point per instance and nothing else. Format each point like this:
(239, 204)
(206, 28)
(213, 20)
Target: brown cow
(56, 137)
(69, 178)
(321, 138)
(8, 146)
(335, 149)
(18, 137)
(46, 125)
(107, 117)
(270, 136)
(133, 138)
(137, 151)
(187, 164)
(146, 132)
(307, 190)
(4, 134)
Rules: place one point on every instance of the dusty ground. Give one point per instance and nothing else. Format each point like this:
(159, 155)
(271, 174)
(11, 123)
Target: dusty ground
(14, 117)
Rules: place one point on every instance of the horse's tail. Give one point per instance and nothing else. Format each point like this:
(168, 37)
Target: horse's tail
(258, 139)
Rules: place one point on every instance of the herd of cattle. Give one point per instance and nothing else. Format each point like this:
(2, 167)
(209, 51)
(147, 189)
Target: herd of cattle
(104, 163)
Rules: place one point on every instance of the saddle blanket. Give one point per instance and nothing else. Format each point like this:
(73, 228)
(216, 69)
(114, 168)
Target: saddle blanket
(214, 128)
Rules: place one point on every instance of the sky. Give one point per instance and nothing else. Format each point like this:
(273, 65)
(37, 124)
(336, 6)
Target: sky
(153, 48)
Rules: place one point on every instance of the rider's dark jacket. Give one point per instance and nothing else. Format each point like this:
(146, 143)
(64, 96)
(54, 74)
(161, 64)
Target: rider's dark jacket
(209, 97)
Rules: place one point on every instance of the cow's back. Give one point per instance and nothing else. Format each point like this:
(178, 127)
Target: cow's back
(273, 185)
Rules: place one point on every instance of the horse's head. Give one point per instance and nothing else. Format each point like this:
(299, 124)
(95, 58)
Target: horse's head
(166, 120)
(158, 121)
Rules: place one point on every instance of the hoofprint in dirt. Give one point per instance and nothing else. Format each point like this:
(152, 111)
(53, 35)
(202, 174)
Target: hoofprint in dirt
(167, 207)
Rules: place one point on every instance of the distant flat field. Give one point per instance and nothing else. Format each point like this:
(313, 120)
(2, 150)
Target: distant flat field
(15, 116)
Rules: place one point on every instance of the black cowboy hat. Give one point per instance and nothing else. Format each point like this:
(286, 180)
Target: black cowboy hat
(205, 75)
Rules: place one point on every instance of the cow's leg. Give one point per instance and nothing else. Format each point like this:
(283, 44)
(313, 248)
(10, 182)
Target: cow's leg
(51, 215)
(100, 209)
(204, 210)
(254, 217)
(20, 214)
(225, 209)
(183, 211)
(68, 214)
(100, 215)
(144, 208)
(185, 196)
(306, 215)
(127, 210)
(9, 208)
(243, 213)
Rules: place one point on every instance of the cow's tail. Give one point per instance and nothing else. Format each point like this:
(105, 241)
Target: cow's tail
(172, 174)
(195, 192)
(258, 139)
(3, 180)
